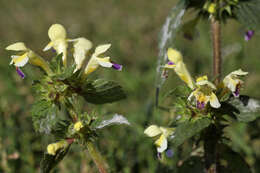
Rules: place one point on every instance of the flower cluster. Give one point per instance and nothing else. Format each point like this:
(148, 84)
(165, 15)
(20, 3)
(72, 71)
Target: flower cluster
(59, 42)
(203, 92)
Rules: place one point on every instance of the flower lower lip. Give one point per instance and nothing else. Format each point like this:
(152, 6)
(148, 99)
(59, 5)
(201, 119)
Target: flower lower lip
(117, 66)
(200, 105)
(20, 73)
(248, 35)
(170, 63)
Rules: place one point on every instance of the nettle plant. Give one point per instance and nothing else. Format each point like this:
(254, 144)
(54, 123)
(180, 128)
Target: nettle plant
(201, 110)
(57, 110)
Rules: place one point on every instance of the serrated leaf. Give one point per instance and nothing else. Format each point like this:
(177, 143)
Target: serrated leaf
(44, 116)
(247, 109)
(248, 13)
(49, 161)
(103, 91)
(60, 129)
(180, 91)
(231, 161)
(188, 129)
(97, 92)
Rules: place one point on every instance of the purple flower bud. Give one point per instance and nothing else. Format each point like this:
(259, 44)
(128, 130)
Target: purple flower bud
(249, 34)
(20, 73)
(170, 63)
(200, 105)
(117, 66)
(169, 153)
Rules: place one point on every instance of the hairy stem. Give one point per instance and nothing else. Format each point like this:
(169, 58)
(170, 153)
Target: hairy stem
(212, 136)
(98, 159)
(216, 34)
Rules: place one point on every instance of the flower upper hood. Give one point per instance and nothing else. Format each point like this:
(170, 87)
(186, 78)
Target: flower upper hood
(59, 42)
(232, 81)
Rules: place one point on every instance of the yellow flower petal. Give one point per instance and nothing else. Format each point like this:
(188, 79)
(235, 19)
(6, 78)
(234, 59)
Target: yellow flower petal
(202, 78)
(19, 46)
(206, 82)
(54, 147)
(57, 31)
(212, 8)
(102, 49)
(78, 125)
(239, 72)
(104, 62)
(167, 131)
(161, 144)
(169, 66)
(214, 101)
(91, 66)
(20, 61)
(174, 55)
(51, 149)
(49, 45)
(152, 131)
(183, 73)
(82, 44)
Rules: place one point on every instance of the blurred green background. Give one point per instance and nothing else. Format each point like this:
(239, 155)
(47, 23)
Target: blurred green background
(132, 27)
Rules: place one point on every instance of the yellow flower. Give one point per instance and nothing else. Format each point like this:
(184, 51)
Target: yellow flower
(78, 125)
(81, 48)
(57, 35)
(97, 60)
(26, 55)
(54, 147)
(176, 63)
(19, 60)
(232, 81)
(204, 93)
(161, 142)
(212, 8)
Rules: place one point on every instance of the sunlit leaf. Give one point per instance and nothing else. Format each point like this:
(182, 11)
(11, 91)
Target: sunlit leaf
(247, 109)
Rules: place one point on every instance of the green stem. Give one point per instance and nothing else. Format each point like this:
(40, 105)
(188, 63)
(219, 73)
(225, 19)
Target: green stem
(98, 159)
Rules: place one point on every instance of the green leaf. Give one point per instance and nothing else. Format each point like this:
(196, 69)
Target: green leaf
(44, 116)
(248, 13)
(237, 133)
(60, 129)
(188, 129)
(49, 161)
(102, 91)
(182, 91)
(231, 161)
(65, 73)
(247, 109)
(97, 92)
(56, 63)
(192, 165)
